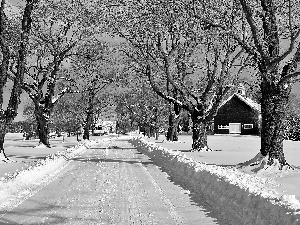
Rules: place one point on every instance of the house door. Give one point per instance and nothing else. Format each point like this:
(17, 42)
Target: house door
(235, 128)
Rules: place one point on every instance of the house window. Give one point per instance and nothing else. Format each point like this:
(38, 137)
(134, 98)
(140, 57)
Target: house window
(248, 126)
(223, 127)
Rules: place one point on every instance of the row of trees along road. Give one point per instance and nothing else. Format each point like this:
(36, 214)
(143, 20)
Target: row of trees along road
(37, 46)
(192, 51)
(273, 47)
(59, 28)
(66, 115)
(95, 70)
(14, 39)
(188, 66)
(137, 106)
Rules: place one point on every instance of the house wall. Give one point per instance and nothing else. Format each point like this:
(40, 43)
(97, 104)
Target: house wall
(236, 111)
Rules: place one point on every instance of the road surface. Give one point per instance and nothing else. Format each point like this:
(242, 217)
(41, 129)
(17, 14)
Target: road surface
(112, 185)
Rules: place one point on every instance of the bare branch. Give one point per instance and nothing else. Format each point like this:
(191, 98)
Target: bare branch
(286, 53)
(160, 93)
(249, 17)
(248, 48)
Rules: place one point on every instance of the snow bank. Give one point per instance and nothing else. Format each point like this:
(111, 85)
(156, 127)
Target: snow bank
(20, 185)
(241, 197)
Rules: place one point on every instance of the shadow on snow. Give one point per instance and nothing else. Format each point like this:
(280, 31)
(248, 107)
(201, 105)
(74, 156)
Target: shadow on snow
(40, 211)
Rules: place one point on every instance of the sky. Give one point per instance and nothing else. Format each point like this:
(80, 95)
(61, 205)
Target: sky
(15, 2)
(296, 88)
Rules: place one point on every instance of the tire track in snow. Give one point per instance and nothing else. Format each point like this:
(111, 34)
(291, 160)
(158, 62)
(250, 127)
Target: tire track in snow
(132, 213)
(177, 218)
(171, 208)
(110, 186)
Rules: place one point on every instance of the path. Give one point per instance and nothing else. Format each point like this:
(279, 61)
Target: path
(111, 186)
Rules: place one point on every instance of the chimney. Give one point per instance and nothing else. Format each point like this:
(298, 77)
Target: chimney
(241, 90)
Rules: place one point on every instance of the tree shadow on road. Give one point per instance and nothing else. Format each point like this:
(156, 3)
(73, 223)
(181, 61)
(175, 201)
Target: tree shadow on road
(50, 213)
(119, 160)
(26, 157)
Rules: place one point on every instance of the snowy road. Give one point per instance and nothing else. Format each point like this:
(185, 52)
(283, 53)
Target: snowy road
(118, 185)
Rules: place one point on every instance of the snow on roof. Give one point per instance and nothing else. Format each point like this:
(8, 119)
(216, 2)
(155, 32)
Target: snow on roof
(254, 105)
(250, 102)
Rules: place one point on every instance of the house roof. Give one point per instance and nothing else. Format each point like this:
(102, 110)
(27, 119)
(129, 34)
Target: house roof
(254, 105)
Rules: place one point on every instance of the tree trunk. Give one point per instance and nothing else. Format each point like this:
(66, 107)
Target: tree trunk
(132, 120)
(155, 123)
(3, 156)
(174, 118)
(156, 133)
(43, 126)
(89, 114)
(147, 130)
(11, 111)
(86, 133)
(88, 123)
(199, 132)
(77, 135)
(273, 105)
(172, 134)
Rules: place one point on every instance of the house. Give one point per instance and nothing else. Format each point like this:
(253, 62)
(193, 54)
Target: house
(238, 115)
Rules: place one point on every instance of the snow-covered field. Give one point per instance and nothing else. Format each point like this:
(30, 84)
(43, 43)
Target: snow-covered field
(243, 197)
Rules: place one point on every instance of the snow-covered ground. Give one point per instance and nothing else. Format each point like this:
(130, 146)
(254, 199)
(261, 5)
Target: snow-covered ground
(244, 197)
(17, 185)
(230, 150)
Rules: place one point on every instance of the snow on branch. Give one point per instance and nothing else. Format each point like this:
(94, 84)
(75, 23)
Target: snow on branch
(64, 91)
(157, 90)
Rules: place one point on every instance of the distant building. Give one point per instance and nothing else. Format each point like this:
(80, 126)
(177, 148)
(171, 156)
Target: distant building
(238, 115)
(104, 127)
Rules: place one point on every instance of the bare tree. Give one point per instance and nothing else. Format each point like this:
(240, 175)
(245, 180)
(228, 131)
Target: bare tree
(94, 68)
(13, 63)
(67, 113)
(202, 99)
(186, 63)
(268, 31)
(93, 100)
(57, 33)
(139, 106)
